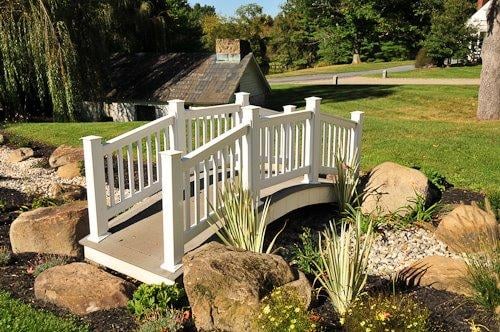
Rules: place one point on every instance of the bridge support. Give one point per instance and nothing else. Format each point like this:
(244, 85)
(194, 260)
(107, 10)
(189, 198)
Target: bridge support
(312, 143)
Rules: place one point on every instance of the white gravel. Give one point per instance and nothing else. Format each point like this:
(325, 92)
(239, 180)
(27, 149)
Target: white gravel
(396, 249)
(28, 177)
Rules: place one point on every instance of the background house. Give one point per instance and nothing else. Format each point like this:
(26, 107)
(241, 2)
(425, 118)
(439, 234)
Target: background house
(140, 83)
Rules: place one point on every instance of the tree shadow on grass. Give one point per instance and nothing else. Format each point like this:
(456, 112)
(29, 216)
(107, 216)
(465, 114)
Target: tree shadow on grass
(295, 95)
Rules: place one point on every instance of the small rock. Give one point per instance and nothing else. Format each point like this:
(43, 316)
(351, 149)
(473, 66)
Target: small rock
(51, 230)
(391, 187)
(443, 273)
(69, 171)
(64, 155)
(21, 154)
(2, 139)
(225, 285)
(468, 228)
(67, 192)
(82, 288)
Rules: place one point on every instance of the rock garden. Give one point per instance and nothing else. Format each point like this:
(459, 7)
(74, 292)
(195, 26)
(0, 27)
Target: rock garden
(401, 251)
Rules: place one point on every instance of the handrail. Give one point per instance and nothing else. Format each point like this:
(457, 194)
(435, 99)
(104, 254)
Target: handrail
(338, 120)
(284, 118)
(194, 112)
(190, 159)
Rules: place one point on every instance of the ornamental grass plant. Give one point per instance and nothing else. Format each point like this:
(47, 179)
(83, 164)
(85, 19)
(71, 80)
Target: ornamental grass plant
(238, 220)
(346, 179)
(342, 267)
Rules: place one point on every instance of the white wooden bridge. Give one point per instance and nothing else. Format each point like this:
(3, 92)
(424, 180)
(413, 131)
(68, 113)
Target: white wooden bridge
(150, 190)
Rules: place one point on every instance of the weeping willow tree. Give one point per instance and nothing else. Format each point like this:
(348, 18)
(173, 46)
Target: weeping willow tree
(53, 53)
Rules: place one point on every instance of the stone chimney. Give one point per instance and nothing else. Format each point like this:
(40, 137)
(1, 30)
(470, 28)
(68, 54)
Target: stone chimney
(231, 50)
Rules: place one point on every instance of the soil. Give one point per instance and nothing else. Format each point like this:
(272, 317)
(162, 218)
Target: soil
(449, 312)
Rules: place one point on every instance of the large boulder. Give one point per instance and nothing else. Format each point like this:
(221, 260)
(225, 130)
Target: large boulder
(468, 228)
(67, 192)
(64, 155)
(392, 187)
(225, 285)
(51, 230)
(439, 272)
(82, 288)
(20, 154)
(69, 171)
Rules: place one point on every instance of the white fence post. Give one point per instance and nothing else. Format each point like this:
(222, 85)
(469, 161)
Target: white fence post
(242, 98)
(288, 109)
(250, 150)
(173, 213)
(312, 143)
(355, 152)
(96, 194)
(178, 132)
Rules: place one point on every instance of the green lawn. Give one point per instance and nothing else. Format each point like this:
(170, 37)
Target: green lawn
(337, 69)
(451, 72)
(55, 134)
(430, 126)
(16, 316)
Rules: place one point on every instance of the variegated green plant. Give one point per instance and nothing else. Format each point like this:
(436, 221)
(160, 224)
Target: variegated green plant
(346, 180)
(239, 223)
(342, 267)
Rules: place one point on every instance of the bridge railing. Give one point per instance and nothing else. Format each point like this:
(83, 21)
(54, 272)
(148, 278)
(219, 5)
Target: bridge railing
(261, 151)
(126, 169)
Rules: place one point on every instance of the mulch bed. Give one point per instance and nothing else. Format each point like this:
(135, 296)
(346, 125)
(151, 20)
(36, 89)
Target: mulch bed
(449, 312)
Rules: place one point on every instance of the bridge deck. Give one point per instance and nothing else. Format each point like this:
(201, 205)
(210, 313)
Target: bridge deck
(135, 246)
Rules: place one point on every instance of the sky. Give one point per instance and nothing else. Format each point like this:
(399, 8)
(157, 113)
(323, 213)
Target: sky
(228, 7)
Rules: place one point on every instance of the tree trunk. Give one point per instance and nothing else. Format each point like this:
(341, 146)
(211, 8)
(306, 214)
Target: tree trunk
(489, 90)
(356, 59)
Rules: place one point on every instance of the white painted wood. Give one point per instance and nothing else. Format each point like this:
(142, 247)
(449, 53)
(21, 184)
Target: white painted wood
(343, 122)
(178, 135)
(358, 117)
(173, 210)
(96, 195)
(250, 150)
(296, 116)
(312, 140)
(242, 98)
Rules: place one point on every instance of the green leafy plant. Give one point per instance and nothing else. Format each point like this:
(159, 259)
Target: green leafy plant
(3, 206)
(283, 311)
(304, 255)
(155, 298)
(49, 262)
(355, 216)
(484, 275)
(343, 263)
(170, 320)
(417, 210)
(387, 313)
(346, 180)
(41, 201)
(5, 256)
(437, 179)
(238, 221)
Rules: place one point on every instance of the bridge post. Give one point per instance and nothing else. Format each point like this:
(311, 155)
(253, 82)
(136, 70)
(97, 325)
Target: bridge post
(173, 213)
(178, 132)
(242, 98)
(250, 151)
(288, 109)
(96, 194)
(312, 142)
(355, 153)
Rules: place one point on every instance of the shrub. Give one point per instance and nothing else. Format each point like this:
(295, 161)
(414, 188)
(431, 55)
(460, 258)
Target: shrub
(156, 298)
(422, 59)
(238, 221)
(3, 206)
(49, 262)
(346, 180)
(307, 253)
(387, 313)
(484, 275)
(493, 200)
(437, 179)
(5, 256)
(283, 311)
(42, 201)
(342, 267)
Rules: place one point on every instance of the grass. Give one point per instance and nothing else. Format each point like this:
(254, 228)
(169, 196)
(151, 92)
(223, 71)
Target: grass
(55, 134)
(16, 316)
(430, 126)
(451, 72)
(337, 69)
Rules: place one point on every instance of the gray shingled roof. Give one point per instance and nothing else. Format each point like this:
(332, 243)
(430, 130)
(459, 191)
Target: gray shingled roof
(194, 77)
